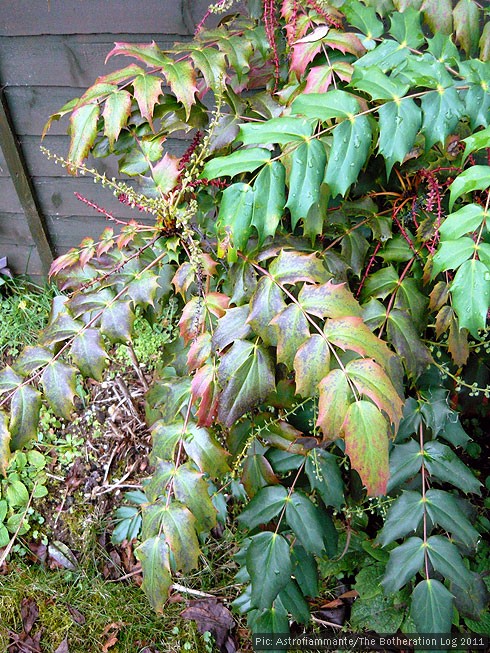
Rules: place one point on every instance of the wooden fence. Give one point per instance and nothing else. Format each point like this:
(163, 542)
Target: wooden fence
(50, 51)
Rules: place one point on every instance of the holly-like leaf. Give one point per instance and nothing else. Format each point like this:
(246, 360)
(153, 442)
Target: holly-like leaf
(405, 27)
(294, 602)
(405, 462)
(399, 124)
(267, 301)
(432, 607)
(203, 449)
(311, 364)
(442, 462)
(323, 472)
(88, 354)
(466, 23)
(371, 380)
(350, 148)
(246, 373)
(313, 527)
(264, 506)
(166, 173)
(4, 444)
(446, 560)
(147, 89)
(451, 254)
(148, 53)
(381, 283)
(211, 63)
(165, 438)
(405, 339)
(232, 326)
(177, 524)
(235, 214)
(61, 329)
(269, 199)
(475, 142)
(457, 342)
(320, 78)
(293, 330)
(405, 561)
(236, 163)
(330, 299)
(154, 557)
(441, 110)
(366, 444)
(32, 358)
(269, 566)
(364, 18)
(257, 473)
(335, 399)
(117, 110)
(379, 86)
(192, 490)
(24, 416)
(470, 291)
(9, 380)
(325, 106)
(83, 131)
(291, 266)
(475, 178)
(117, 321)
(404, 515)
(143, 288)
(281, 130)
(444, 510)
(305, 178)
(58, 382)
(351, 333)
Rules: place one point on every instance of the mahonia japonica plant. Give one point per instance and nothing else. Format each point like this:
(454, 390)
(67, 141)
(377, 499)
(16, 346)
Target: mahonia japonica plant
(326, 237)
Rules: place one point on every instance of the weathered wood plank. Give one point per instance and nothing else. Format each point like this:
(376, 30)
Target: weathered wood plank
(22, 259)
(25, 17)
(23, 186)
(66, 60)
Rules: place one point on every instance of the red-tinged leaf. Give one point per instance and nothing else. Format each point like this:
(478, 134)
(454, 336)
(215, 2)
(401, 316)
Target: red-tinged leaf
(65, 261)
(32, 358)
(147, 89)
(87, 251)
(366, 444)
(311, 365)
(257, 473)
(267, 301)
(166, 173)
(120, 75)
(203, 449)
(443, 320)
(335, 399)
(329, 300)
(183, 278)
(319, 78)
(217, 303)
(181, 77)
(199, 351)
(293, 330)
(406, 340)
(204, 387)
(155, 563)
(143, 288)
(106, 241)
(88, 354)
(192, 490)
(148, 53)
(62, 328)
(98, 92)
(290, 267)
(345, 42)
(210, 62)
(116, 112)
(117, 321)
(351, 333)
(458, 345)
(192, 319)
(232, 326)
(58, 381)
(83, 131)
(4, 443)
(24, 416)
(303, 54)
(371, 380)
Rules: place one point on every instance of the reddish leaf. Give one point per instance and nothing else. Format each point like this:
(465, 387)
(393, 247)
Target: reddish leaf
(335, 399)
(311, 364)
(204, 386)
(166, 173)
(29, 613)
(63, 647)
(212, 616)
(65, 261)
(148, 53)
(181, 78)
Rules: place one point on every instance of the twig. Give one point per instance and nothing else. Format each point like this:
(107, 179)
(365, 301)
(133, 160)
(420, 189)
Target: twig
(325, 623)
(188, 590)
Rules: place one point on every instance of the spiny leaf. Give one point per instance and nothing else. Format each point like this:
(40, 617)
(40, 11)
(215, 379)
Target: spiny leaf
(446, 560)
(405, 561)
(405, 462)
(378, 85)
(441, 110)
(293, 330)
(154, 558)
(4, 444)
(330, 299)
(351, 333)
(58, 382)
(388, 55)
(165, 438)
(264, 506)
(88, 354)
(148, 53)
(443, 463)
(432, 607)
(364, 18)
(24, 416)
(451, 254)
(178, 525)
(166, 173)
(282, 130)
(476, 141)
(470, 291)
(32, 358)
(9, 380)
(192, 490)
(269, 199)
(269, 566)
(366, 444)
(236, 163)
(323, 472)
(235, 214)
(267, 301)
(210, 62)
(404, 515)
(117, 321)
(143, 288)
(246, 374)
(399, 124)
(405, 27)
(350, 148)
(475, 178)
(311, 364)
(306, 175)
(83, 130)
(405, 339)
(381, 283)
(61, 329)
(291, 266)
(116, 112)
(443, 509)
(147, 89)
(232, 326)
(324, 106)
(204, 450)
(313, 527)
(335, 399)
(257, 473)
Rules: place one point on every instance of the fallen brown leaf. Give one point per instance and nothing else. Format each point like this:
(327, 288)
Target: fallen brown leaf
(211, 615)
(29, 613)
(63, 647)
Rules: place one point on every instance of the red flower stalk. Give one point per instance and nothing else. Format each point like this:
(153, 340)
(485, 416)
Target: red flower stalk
(328, 19)
(270, 24)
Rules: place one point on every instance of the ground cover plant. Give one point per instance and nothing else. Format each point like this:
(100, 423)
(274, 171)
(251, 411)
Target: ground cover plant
(324, 244)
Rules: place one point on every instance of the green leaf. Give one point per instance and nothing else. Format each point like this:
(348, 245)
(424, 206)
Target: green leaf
(466, 220)
(292, 266)
(405, 561)
(405, 462)
(366, 444)
(9, 380)
(446, 560)
(232, 326)
(24, 416)
(143, 288)
(388, 55)
(399, 124)
(265, 505)
(335, 399)
(381, 283)
(117, 321)
(476, 141)
(267, 301)
(466, 18)
(88, 354)
(116, 112)
(350, 148)
(257, 473)
(269, 199)
(211, 63)
(181, 77)
(203, 449)
(154, 558)
(272, 620)
(379, 86)
(311, 364)
(324, 106)
(16, 494)
(329, 300)
(269, 566)
(63, 328)
(32, 358)
(178, 526)
(451, 254)
(282, 130)
(444, 510)
(470, 291)
(370, 380)
(235, 214)
(147, 89)
(4, 445)
(475, 178)
(432, 607)
(83, 131)
(305, 570)
(322, 469)
(351, 333)
(293, 330)
(442, 110)
(404, 337)
(405, 27)
(443, 463)
(294, 602)
(364, 18)
(58, 382)
(148, 53)
(236, 163)
(313, 527)
(404, 515)
(192, 490)
(305, 178)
